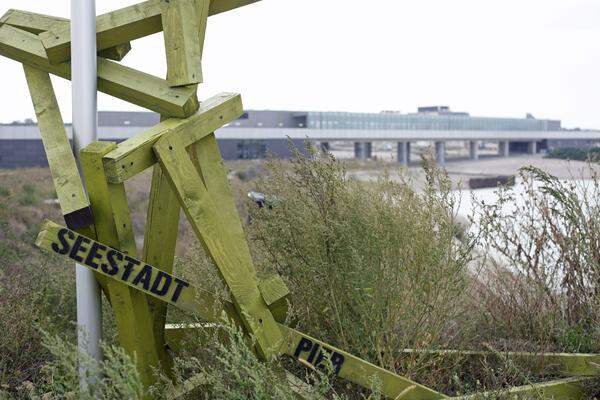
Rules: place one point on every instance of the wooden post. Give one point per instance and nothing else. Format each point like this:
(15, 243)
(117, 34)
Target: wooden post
(113, 228)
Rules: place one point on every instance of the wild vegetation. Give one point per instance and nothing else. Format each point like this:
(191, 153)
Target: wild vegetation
(374, 268)
(573, 153)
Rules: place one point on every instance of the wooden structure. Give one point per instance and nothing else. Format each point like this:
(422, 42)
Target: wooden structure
(188, 175)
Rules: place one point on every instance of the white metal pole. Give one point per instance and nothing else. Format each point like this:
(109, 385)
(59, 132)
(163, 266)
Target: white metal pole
(85, 121)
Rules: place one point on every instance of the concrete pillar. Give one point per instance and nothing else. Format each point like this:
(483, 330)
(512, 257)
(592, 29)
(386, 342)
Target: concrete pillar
(503, 148)
(532, 147)
(362, 150)
(324, 146)
(440, 152)
(404, 153)
(474, 149)
(368, 149)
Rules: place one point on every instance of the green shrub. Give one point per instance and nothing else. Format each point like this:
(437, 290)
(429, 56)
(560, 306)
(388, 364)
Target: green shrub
(373, 267)
(4, 191)
(29, 195)
(572, 153)
(117, 375)
(544, 288)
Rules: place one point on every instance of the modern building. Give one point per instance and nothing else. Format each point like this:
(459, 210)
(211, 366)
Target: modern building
(257, 134)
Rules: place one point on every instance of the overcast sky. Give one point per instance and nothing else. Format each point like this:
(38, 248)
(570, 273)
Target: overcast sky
(487, 57)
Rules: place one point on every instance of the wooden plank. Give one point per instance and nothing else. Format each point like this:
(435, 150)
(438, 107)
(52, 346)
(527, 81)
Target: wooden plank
(38, 23)
(125, 24)
(73, 201)
(125, 269)
(276, 295)
(60, 240)
(561, 389)
(312, 351)
(557, 364)
(113, 78)
(135, 154)
(205, 219)
(160, 239)
(207, 156)
(114, 227)
(182, 20)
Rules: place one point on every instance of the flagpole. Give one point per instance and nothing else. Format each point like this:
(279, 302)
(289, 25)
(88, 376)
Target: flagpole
(85, 121)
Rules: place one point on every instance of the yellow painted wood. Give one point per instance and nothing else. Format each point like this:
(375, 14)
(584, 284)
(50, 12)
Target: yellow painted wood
(276, 295)
(556, 364)
(353, 369)
(38, 23)
(181, 22)
(162, 225)
(65, 174)
(135, 154)
(299, 345)
(560, 389)
(233, 266)
(114, 228)
(207, 156)
(179, 293)
(303, 347)
(126, 24)
(113, 78)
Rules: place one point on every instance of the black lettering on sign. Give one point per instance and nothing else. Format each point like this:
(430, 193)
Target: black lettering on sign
(144, 277)
(180, 285)
(78, 247)
(310, 349)
(93, 254)
(113, 267)
(131, 262)
(65, 247)
(163, 278)
(118, 265)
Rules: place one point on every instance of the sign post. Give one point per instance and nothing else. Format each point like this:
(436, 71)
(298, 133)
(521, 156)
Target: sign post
(85, 120)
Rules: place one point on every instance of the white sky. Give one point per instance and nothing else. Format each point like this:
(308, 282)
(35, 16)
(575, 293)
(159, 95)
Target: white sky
(487, 57)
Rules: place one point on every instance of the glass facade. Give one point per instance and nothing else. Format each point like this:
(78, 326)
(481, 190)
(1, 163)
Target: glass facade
(424, 121)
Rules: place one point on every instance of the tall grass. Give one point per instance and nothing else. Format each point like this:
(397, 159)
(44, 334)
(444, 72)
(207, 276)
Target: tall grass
(374, 268)
(545, 275)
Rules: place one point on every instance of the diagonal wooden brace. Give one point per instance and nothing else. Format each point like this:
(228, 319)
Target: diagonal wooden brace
(126, 24)
(114, 79)
(234, 267)
(38, 23)
(135, 154)
(179, 293)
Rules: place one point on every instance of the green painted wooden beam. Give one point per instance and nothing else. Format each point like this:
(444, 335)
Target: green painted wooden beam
(73, 201)
(135, 154)
(38, 23)
(556, 364)
(182, 20)
(126, 24)
(181, 294)
(204, 215)
(160, 239)
(114, 79)
(115, 229)
(206, 155)
(561, 389)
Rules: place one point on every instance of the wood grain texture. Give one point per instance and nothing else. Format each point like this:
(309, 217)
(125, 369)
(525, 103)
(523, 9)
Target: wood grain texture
(160, 239)
(181, 21)
(125, 24)
(63, 167)
(135, 154)
(38, 23)
(114, 79)
(207, 156)
(234, 268)
(114, 229)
